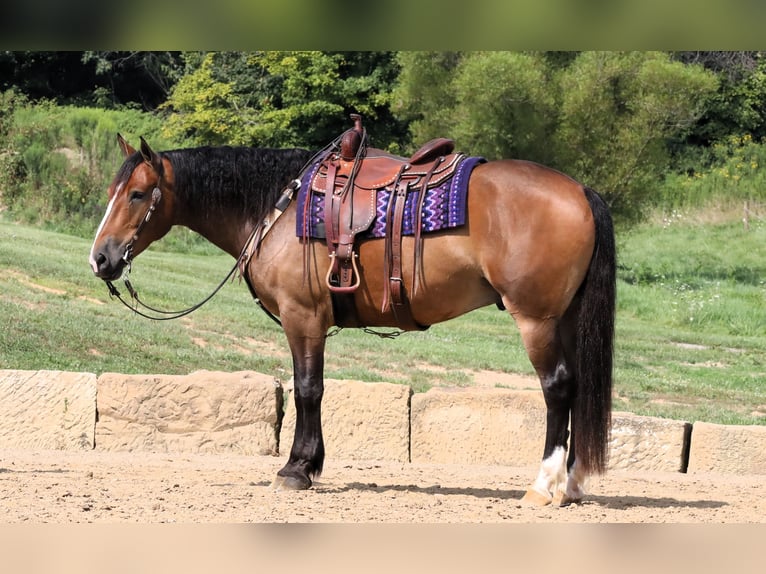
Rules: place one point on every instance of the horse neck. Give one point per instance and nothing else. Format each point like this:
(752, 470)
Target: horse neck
(230, 189)
(227, 231)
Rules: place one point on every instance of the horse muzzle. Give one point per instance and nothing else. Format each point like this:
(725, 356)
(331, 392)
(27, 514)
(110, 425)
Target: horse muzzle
(107, 261)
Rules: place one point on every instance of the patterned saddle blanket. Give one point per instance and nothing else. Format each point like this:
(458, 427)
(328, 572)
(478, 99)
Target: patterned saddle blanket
(444, 206)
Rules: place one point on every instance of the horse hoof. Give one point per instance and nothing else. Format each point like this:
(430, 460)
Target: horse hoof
(291, 483)
(536, 498)
(561, 498)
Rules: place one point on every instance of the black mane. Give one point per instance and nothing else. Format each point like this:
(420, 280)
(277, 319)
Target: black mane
(218, 179)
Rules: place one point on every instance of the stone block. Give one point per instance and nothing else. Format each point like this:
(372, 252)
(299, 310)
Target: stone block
(47, 410)
(478, 426)
(728, 449)
(360, 421)
(648, 443)
(203, 412)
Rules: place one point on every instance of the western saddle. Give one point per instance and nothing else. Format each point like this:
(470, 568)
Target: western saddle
(350, 179)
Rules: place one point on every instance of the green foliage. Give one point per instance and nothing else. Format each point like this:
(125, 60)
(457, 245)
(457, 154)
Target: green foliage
(729, 171)
(510, 118)
(424, 95)
(602, 117)
(494, 104)
(59, 161)
(108, 79)
(205, 110)
(283, 99)
(739, 104)
(617, 111)
(311, 96)
(610, 119)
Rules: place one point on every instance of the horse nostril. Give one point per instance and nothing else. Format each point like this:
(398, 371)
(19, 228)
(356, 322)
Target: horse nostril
(99, 264)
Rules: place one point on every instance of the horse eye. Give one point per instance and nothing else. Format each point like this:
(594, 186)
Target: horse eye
(136, 195)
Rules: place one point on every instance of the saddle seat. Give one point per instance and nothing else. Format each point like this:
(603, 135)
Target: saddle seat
(380, 170)
(350, 179)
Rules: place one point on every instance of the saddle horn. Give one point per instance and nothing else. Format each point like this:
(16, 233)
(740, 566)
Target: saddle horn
(352, 139)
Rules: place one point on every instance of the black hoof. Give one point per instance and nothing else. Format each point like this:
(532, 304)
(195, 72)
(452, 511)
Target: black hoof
(291, 482)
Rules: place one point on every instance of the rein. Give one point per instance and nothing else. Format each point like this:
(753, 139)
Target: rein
(127, 257)
(256, 236)
(164, 315)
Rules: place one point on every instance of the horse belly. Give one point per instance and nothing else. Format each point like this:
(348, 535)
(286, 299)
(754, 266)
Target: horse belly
(451, 283)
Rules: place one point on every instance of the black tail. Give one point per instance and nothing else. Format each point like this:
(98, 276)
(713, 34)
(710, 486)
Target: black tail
(595, 344)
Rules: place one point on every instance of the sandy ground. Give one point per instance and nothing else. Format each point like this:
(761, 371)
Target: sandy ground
(72, 487)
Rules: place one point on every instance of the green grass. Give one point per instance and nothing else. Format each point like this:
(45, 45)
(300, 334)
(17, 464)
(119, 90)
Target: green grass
(691, 322)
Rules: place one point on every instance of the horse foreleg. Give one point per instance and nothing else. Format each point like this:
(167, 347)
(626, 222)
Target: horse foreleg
(543, 344)
(307, 453)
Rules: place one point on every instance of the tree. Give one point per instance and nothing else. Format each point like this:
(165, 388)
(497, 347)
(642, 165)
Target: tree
(285, 99)
(142, 77)
(205, 109)
(506, 105)
(617, 112)
(103, 79)
(494, 104)
(739, 105)
(602, 117)
(424, 96)
(50, 75)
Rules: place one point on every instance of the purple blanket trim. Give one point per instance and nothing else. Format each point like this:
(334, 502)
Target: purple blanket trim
(444, 206)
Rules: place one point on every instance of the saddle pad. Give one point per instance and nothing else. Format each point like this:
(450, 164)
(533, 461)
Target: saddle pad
(444, 206)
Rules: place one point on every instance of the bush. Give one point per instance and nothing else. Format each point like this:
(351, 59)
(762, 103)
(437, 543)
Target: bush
(728, 171)
(56, 163)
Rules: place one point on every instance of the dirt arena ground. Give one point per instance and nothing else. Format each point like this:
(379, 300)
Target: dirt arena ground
(101, 487)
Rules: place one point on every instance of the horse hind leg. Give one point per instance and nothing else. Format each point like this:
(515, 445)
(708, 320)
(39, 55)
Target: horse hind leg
(543, 342)
(575, 484)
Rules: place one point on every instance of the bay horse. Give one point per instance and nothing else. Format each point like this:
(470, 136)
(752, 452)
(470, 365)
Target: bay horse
(535, 243)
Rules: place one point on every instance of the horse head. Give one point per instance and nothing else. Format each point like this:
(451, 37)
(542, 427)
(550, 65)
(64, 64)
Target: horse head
(139, 210)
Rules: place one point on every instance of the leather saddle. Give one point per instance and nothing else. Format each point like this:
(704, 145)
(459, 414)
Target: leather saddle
(350, 180)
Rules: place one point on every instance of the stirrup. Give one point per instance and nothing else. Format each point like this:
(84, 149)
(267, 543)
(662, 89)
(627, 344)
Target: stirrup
(339, 289)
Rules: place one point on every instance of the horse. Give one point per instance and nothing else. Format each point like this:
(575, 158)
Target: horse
(536, 243)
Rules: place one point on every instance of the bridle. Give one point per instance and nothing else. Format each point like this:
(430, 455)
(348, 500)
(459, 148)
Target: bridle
(241, 263)
(127, 257)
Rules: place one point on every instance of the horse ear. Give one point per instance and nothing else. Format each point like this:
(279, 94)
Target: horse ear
(150, 156)
(126, 148)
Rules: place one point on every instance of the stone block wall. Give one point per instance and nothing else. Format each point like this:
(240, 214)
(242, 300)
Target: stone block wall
(47, 410)
(359, 421)
(252, 413)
